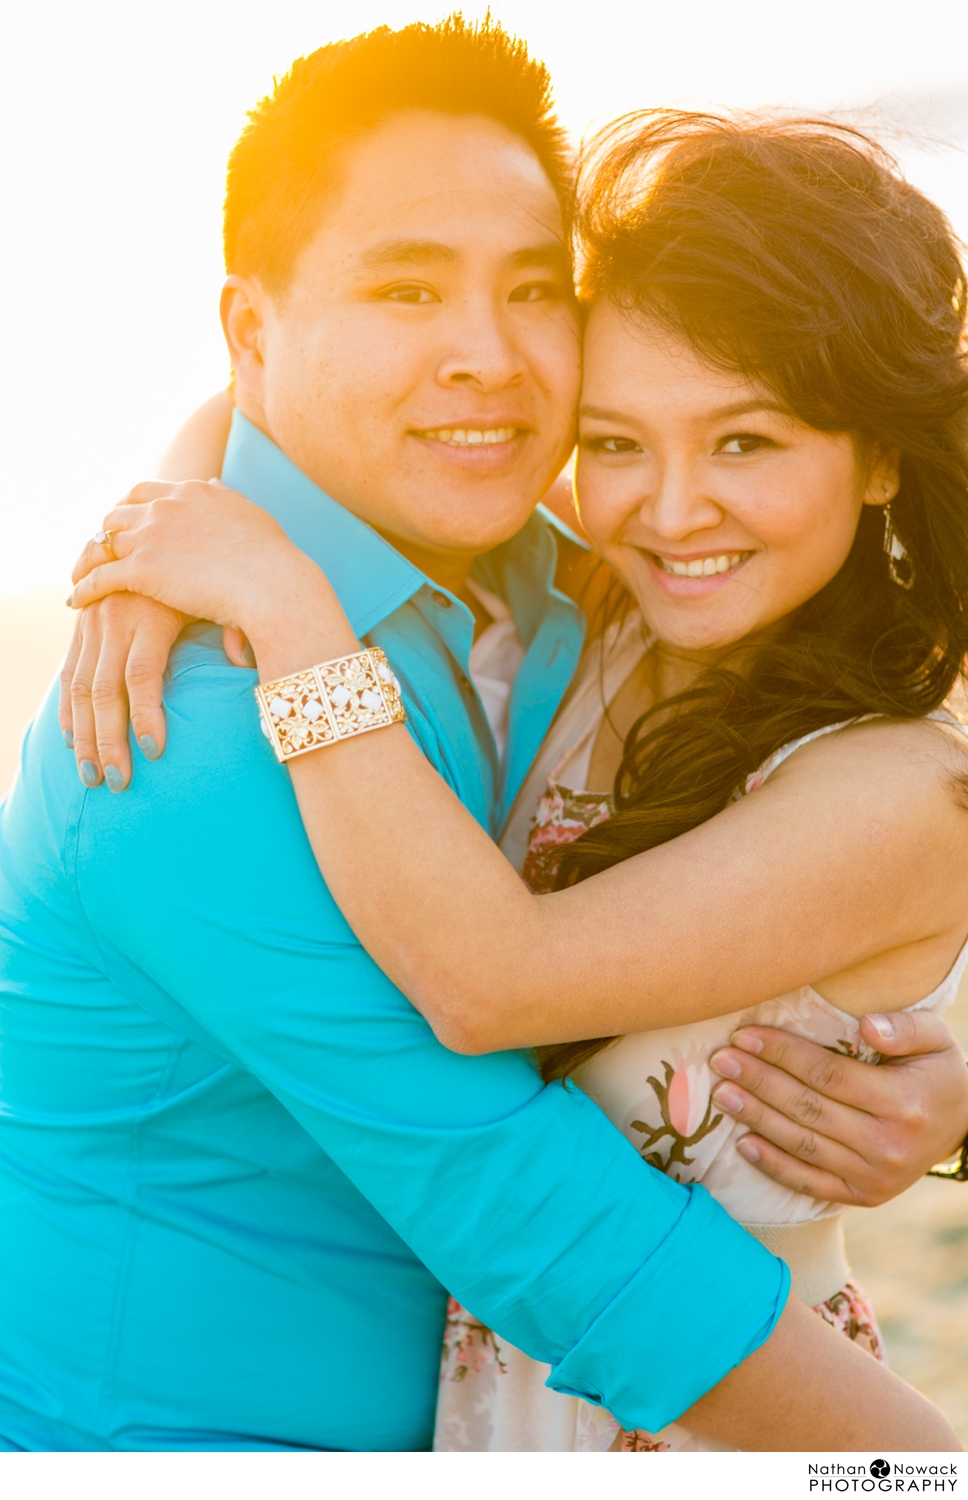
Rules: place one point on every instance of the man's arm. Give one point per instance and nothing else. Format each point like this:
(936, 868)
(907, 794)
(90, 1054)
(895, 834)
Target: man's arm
(524, 1201)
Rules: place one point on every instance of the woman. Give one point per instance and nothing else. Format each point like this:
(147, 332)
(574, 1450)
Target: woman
(773, 462)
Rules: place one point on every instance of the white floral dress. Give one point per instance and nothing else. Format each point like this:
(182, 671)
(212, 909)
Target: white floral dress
(656, 1088)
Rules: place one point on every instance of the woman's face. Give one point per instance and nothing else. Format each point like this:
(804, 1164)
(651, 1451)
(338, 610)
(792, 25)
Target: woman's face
(719, 511)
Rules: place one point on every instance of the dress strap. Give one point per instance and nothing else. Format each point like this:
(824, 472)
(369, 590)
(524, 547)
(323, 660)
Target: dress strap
(939, 715)
(779, 756)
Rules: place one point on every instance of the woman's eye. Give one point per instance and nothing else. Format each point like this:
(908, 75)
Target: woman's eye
(411, 294)
(743, 442)
(612, 445)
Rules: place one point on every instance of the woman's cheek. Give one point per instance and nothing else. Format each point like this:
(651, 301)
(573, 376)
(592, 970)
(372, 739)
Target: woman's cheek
(602, 504)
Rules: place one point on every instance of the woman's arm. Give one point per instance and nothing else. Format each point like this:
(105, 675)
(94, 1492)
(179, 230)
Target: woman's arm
(855, 846)
(808, 1389)
(116, 662)
(198, 447)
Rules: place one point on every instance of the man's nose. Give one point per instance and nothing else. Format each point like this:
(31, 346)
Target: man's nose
(482, 353)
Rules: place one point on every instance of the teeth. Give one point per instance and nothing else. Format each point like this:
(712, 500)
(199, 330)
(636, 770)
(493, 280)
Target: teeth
(468, 437)
(702, 567)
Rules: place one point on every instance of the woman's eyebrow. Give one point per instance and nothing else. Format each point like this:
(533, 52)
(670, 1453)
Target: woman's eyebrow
(745, 409)
(718, 414)
(601, 414)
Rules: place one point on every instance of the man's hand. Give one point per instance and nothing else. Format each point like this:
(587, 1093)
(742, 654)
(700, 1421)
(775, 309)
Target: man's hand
(114, 669)
(837, 1128)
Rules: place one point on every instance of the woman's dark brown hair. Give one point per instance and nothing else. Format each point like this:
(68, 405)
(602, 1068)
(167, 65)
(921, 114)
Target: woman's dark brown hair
(793, 253)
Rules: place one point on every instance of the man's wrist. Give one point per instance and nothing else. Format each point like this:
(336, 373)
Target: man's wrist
(955, 1165)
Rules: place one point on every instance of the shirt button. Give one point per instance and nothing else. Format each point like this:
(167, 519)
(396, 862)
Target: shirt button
(441, 600)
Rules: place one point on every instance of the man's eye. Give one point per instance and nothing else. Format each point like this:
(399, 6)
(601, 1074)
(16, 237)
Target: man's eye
(612, 445)
(743, 442)
(412, 294)
(536, 291)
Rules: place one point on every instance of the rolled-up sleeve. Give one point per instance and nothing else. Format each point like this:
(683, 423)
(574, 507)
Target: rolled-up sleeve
(199, 886)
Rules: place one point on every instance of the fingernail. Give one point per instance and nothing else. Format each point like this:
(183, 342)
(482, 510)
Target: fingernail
(68, 739)
(747, 1147)
(149, 747)
(113, 778)
(747, 1041)
(69, 601)
(248, 655)
(724, 1065)
(883, 1025)
(89, 773)
(728, 1098)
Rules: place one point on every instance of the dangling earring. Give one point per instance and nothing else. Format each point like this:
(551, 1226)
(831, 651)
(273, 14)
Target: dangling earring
(899, 564)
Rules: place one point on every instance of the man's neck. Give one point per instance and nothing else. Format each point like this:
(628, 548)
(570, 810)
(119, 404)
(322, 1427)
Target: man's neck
(450, 570)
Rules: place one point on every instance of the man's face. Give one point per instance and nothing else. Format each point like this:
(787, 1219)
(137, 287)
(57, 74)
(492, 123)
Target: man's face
(423, 365)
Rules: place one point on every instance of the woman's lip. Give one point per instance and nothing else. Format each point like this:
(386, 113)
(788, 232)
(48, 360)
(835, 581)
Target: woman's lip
(690, 588)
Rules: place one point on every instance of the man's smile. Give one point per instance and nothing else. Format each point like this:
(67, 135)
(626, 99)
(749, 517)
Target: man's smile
(469, 437)
(476, 446)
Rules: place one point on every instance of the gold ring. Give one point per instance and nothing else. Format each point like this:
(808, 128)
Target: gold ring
(103, 539)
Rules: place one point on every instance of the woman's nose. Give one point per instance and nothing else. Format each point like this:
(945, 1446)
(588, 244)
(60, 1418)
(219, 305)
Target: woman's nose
(679, 504)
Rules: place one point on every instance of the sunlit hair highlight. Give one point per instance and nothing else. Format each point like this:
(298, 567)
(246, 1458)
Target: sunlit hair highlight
(288, 157)
(793, 253)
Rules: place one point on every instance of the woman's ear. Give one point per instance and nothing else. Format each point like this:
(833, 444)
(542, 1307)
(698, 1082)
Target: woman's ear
(883, 476)
(243, 322)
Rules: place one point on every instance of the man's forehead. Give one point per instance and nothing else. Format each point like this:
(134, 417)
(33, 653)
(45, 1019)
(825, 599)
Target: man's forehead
(544, 251)
(424, 164)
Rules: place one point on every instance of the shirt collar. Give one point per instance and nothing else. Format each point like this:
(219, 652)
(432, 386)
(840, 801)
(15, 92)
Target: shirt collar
(371, 578)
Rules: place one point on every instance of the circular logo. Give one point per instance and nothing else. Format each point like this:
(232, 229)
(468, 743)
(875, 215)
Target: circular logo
(880, 1468)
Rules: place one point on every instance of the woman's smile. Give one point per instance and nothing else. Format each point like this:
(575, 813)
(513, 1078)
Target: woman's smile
(696, 574)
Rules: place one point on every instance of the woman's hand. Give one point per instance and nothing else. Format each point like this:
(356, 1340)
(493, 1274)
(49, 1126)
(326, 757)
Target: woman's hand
(178, 552)
(115, 668)
(200, 549)
(835, 1127)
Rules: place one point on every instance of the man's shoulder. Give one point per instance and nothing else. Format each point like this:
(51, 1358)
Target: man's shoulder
(203, 690)
(200, 646)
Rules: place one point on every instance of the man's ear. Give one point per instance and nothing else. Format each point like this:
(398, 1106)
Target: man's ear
(883, 476)
(243, 308)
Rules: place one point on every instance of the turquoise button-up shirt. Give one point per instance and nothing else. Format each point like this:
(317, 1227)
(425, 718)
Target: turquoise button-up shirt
(237, 1170)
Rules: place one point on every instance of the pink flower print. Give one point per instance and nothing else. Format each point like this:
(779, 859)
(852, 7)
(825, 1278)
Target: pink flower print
(679, 1111)
(469, 1347)
(687, 1099)
(686, 1110)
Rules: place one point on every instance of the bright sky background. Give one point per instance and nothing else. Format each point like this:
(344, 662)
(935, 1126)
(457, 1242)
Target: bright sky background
(117, 119)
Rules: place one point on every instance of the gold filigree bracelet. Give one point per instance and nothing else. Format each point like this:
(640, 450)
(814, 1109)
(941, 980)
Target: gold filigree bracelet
(329, 702)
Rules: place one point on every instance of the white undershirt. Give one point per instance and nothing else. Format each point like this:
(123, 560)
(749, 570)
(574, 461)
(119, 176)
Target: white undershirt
(495, 660)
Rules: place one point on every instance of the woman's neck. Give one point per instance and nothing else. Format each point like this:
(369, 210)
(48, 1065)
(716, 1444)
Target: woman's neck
(663, 672)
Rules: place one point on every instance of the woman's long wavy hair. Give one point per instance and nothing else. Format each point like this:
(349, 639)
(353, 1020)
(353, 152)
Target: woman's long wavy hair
(793, 253)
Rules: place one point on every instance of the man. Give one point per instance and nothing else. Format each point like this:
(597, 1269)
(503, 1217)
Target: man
(237, 1171)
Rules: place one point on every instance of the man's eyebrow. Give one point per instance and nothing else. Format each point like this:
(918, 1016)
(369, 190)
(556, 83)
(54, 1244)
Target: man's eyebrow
(551, 253)
(421, 252)
(407, 253)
